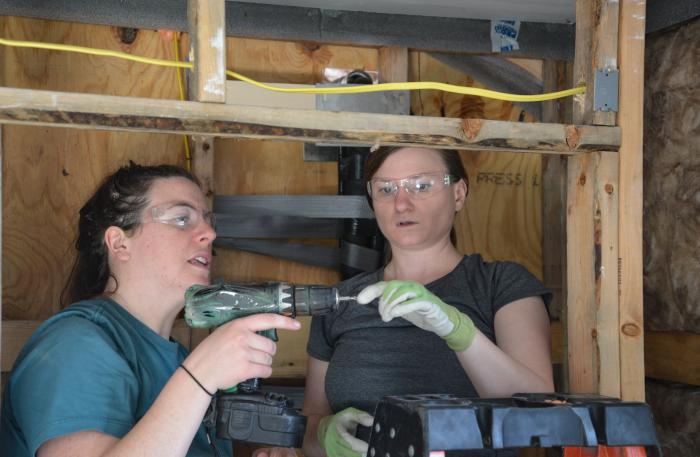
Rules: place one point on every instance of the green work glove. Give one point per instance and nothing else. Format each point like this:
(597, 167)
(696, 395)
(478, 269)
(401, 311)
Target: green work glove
(337, 433)
(414, 303)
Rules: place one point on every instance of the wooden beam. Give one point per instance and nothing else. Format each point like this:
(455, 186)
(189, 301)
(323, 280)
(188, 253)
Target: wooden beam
(87, 111)
(596, 48)
(558, 343)
(553, 196)
(553, 170)
(393, 64)
(206, 22)
(592, 220)
(607, 309)
(631, 120)
(581, 287)
(673, 356)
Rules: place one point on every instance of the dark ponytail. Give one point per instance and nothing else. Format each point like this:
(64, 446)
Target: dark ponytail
(118, 202)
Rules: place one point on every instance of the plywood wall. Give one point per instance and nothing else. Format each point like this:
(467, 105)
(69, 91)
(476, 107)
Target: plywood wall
(49, 172)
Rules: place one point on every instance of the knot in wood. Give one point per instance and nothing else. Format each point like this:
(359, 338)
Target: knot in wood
(471, 128)
(572, 137)
(631, 330)
(609, 188)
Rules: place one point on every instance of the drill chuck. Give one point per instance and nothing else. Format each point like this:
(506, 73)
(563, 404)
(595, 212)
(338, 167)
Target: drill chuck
(315, 300)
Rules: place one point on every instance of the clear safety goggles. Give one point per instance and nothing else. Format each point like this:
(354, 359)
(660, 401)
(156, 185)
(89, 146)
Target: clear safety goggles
(183, 217)
(417, 186)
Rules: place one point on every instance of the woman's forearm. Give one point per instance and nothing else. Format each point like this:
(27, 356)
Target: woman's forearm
(311, 446)
(496, 374)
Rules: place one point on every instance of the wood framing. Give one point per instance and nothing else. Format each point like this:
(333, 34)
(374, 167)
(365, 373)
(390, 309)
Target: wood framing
(631, 120)
(206, 25)
(604, 329)
(672, 356)
(393, 64)
(553, 191)
(592, 219)
(605, 321)
(86, 111)
(207, 83)
(596, 48)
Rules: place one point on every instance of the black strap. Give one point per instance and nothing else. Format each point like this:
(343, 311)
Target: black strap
(309, 254)
(314, 206)
(243, 226)
(353, 255)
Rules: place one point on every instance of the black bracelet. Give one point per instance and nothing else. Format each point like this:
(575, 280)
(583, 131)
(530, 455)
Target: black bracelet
(196, 380)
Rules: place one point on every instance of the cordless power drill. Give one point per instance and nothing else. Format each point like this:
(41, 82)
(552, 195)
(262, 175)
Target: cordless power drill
(243, 412)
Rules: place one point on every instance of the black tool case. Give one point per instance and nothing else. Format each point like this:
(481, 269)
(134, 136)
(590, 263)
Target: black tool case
(416, 425)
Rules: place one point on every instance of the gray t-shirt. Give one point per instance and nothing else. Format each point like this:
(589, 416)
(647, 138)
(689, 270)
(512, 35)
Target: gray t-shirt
(369, 359)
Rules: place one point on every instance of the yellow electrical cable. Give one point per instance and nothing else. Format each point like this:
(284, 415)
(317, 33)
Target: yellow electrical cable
(181, 87)
(94, 51)
(414, 86)
(318, 90)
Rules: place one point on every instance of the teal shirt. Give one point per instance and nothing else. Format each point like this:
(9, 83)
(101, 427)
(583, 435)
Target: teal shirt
(93, 366)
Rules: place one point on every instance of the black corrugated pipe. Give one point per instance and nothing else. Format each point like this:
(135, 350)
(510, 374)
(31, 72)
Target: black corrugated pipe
(357, 232)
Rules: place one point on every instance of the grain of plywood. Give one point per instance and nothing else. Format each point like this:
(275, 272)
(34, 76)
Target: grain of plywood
(49, 172)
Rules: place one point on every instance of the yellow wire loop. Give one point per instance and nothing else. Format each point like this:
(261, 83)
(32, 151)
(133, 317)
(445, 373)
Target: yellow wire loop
(317, 90)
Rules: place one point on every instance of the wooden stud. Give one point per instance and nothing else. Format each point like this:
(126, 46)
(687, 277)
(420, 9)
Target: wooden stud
(581, 298)
(630, 117)
(596, 48)
(206, 24)
(393, 64)
(553, 192)
(592, 218)
(553, 204)
(207, 83)
(671, 356)
(87, 111)
(606, 274)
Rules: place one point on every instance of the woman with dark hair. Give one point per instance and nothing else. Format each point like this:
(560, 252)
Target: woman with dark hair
(431, 320)
(103, 377)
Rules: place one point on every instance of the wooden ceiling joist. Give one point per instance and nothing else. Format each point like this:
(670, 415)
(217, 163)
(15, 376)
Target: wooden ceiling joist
(89, 111)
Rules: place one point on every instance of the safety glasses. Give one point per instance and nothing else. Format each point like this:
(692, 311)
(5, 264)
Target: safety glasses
(181, 216)
(417, 186)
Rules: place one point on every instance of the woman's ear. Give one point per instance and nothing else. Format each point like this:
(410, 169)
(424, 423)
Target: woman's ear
(460, 192)
(117, 243)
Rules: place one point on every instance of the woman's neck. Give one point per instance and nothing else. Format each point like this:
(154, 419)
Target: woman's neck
(149, 312)
(423, 266)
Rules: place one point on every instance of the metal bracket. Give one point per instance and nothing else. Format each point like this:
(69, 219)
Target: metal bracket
(394, 102)
(605, 90)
